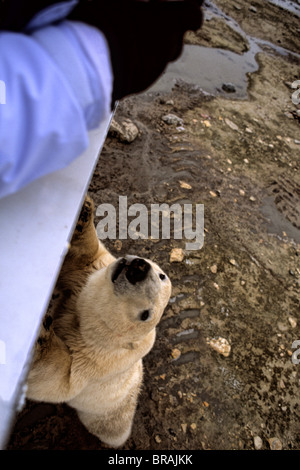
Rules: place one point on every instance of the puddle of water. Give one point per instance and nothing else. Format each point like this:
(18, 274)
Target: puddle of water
(210, 68)
(277, 223)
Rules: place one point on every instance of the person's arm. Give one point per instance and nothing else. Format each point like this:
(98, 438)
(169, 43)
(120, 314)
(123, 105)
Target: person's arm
(58, 85)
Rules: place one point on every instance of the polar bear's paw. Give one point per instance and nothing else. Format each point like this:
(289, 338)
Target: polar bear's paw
(86, 215)
(45, 338)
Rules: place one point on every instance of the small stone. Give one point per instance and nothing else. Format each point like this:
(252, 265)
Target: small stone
(157, 439)
(220, 345)
(118, 245)
(126, 131)
(229, 87)
(193, 426)
(176, 255)
(246, 160)
(253, 9)
(233, 262)
(275, 443)
(257, 442)
(250, 131)
(175, 353)
(252, 198)
(231, 124)
(293, 322)
(214, 268)
(297, 142)
(172, 119)
(184, 427)
(207, 123)
(242, 192)
(213, 194)
(185, 185)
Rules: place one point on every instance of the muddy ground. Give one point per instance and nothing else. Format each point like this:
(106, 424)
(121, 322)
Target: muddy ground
(240, 158)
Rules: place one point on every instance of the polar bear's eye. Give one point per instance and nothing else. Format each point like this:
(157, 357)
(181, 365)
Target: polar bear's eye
(145, 315)
(162, 276)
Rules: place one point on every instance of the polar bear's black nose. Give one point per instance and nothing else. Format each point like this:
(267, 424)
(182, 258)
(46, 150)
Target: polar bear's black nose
(137, 270)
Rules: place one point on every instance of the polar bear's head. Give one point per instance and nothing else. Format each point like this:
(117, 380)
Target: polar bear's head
(123, 302)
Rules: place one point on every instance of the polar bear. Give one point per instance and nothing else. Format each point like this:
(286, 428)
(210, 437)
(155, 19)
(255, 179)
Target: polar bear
(100, 324)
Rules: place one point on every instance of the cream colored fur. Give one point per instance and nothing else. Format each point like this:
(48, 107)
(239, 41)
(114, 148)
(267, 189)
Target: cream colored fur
(91, 355)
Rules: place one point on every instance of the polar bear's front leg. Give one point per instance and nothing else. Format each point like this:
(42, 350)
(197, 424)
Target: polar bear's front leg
(114, 427)
(50, 378)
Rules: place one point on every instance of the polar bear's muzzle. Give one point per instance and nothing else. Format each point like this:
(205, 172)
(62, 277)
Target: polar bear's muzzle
(135, 269)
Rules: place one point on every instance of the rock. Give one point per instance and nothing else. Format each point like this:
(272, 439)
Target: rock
(176, 255)
(242, 192)
(297, 142)
(193, 426)
(176, 353)
(292, 322)
(172, 119)
(214, 269)
(184, 427)
(275, 443)
(229, 87)
(252, 198)
(126, 131)
(220, 345)
(185, 185)
(118, 245)
(233, 262)
(206, 123)
(231, 124)
(252, 9)
(257, 442)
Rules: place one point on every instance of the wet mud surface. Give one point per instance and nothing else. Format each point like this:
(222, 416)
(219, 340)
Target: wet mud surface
(240, 158)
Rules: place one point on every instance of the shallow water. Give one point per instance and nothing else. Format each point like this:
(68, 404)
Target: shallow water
(210, 68)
